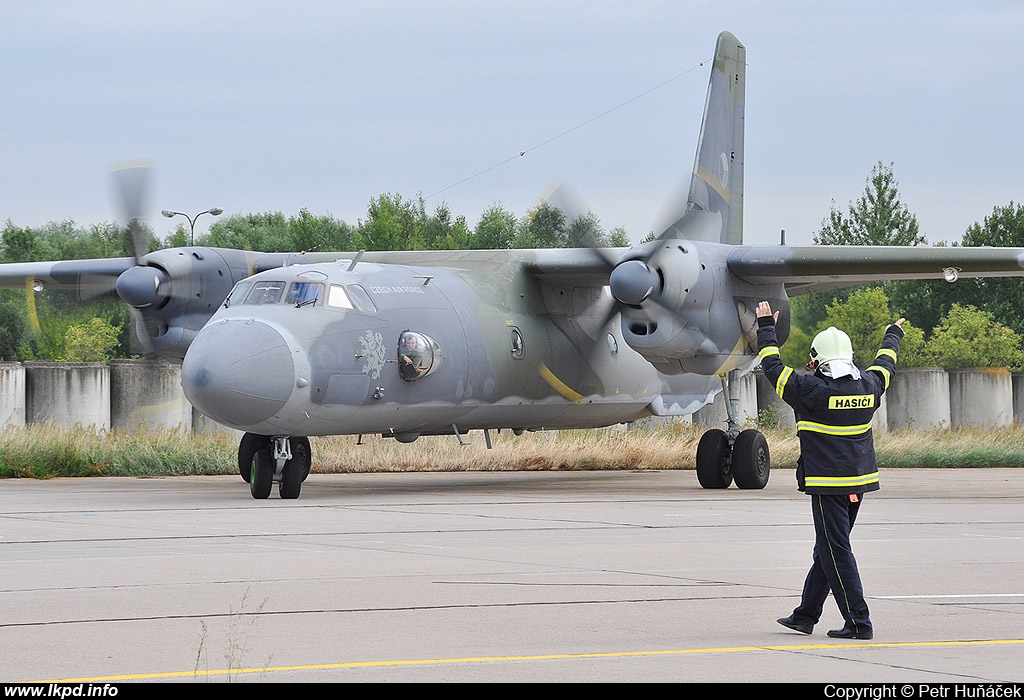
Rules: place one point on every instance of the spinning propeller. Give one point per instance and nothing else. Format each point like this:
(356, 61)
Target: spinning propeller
(653, 277)
(143, 287)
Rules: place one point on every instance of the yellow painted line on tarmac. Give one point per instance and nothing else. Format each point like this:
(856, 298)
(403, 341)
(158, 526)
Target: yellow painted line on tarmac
(536, 657)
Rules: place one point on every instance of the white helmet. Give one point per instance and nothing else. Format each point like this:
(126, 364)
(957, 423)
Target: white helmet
(831, 344)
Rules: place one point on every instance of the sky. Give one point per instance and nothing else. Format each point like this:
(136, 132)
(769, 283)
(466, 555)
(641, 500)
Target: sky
(261, 106)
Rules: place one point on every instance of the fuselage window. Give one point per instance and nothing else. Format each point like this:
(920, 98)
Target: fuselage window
(305, 293)
(237, 294)
(418, 355)
(265, 293)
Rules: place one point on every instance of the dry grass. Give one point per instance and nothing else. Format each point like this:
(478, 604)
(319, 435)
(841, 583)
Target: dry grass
(670, 446)
(49, 451)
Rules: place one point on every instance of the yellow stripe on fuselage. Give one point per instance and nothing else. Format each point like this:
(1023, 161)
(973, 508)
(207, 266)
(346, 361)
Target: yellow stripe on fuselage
(558, 385)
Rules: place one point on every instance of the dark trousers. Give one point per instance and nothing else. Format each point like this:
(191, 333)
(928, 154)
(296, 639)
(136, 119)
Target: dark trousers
(834, 567)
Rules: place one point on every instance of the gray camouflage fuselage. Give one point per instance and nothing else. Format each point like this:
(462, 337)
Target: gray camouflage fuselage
(513, 351)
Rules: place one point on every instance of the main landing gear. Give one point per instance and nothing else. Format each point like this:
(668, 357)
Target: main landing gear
(262, 460)
(727, 455)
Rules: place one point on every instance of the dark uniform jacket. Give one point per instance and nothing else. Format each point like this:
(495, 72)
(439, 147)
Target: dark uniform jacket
(833, 416)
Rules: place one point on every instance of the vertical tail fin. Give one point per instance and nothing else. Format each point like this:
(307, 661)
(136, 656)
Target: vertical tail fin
(714, 206)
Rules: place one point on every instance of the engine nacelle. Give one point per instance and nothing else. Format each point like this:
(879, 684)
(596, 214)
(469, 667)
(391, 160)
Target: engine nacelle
(674, 327)
(174, 292)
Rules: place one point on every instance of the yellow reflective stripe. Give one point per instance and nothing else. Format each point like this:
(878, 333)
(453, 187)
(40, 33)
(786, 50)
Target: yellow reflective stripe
(780, 385)
(841, 481)
(768, 351)
(887, 352)
(885, 373)
(833, 429)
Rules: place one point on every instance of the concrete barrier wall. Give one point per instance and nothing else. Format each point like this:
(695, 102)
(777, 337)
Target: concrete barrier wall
(980, 397)
(918, 399)
(771, 403)
(1017, 382)
(12, 394)
(129, 394)
(715, 415)
(147, 394)
(201, 425)
(68, 393)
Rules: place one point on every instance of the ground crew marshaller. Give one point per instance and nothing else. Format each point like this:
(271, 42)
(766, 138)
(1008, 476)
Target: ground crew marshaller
(837, 465)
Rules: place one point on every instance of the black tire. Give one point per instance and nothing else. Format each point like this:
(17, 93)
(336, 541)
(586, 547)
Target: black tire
(247, 449)
(713, 464)
(296, 469)
(262, 474)
(751, 462)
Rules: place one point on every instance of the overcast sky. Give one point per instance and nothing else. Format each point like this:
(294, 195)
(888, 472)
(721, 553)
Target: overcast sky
(257, 106)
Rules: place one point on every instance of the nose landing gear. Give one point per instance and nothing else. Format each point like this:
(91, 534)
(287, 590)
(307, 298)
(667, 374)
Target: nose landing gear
(262, 460)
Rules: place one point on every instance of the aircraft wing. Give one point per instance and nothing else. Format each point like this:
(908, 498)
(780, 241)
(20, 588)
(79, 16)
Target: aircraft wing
(806, 269)
(95, 276)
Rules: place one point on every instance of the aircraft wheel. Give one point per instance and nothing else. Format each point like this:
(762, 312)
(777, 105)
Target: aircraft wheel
(751, 463)
(713, 466)
(247, 449)
(262, 474)
(300, 446)
(296, 469)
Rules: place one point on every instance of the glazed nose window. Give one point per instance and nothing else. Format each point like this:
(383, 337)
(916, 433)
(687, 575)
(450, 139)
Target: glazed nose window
(418, 355)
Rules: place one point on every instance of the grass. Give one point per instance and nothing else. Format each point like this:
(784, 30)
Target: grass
(46, 451)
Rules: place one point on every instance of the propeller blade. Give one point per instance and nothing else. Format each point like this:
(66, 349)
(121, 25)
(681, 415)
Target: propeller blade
(131, 181)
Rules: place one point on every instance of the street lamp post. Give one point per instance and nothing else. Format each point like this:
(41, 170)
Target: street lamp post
(215, 211)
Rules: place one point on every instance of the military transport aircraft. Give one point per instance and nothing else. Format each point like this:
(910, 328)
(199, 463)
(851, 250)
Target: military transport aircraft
(287, 346)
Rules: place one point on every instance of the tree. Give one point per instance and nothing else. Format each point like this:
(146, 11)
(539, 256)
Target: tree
(442, 231)
(548, 226)
(618, 237)
(495, 229)
(584, 230)
(63, 240)
(90, 341)
(877, 218)
(391, 224)
(864, 317)
(927, 301)
(544, 227)
(13, 327)
(794, 352)
(178, 238)
(307, 232)
(266, 232)
(1000, 296)
(969, 337)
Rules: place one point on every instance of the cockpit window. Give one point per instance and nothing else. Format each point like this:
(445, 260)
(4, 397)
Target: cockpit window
(237, 294)
(361, 298)
(338, 298)
(265, 293)
(305, 293)
(418, 355)
(351, 297)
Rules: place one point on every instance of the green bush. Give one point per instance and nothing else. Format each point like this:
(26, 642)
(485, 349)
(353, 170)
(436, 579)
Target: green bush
(969, 337)
(90, 341)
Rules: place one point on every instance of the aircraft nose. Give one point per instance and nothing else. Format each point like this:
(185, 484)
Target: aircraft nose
(238, 372)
